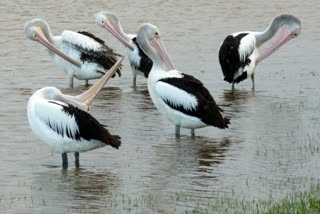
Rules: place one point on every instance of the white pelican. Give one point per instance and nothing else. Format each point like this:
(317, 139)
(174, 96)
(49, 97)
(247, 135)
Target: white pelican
(91, 57)
(140, 63)
(62, 121)
(180, 97)
(238, 54)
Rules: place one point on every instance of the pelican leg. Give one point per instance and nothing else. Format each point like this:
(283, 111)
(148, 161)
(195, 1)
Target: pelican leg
(64, 161)
(192, 132)
(71, 81)
(134, 81)
(233, 86)
(177, 131)
(87, 83)
(252, 78)
(77, 160)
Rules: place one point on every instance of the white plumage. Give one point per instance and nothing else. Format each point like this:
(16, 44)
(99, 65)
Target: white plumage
(176, 96)
(80, 40)
(160, 92)
(246, 47)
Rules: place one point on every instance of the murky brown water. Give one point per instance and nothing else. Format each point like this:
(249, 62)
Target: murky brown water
(270, 150)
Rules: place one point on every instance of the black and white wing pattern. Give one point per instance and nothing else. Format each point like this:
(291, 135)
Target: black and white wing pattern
(68, 122)
(234, 56)
(189, 96)
(90, 49)
(145, 64)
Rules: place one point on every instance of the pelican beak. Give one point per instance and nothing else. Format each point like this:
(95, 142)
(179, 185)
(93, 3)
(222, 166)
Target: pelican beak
(109, 27)
(285, 35)
(88, 96)
(40, 37)
(156, 43)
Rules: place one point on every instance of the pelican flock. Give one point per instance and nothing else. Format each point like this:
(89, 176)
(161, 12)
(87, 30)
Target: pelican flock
(182, 98)
(63, 122)
(89, 56)
(140, 63)
(239, 56)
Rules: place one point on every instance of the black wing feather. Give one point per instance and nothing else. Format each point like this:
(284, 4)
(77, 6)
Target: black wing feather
(207, 109)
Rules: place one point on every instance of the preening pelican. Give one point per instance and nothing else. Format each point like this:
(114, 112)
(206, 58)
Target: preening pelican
(89, 56)
(238, 54)
(62, 121)
(140, 63)
(180, 97)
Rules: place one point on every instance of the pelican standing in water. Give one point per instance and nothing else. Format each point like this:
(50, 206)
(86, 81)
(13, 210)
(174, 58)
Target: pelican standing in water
(140, 63)
(180, 97)
(238, 54)
(91, 58)
(62, 121)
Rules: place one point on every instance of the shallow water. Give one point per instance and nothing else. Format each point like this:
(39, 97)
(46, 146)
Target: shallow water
(270, 150)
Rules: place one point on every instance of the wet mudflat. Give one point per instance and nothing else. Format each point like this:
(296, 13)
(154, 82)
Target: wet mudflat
(270, 151)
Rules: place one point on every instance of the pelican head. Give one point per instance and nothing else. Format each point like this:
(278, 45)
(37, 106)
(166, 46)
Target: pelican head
(38, 30)
(54, 94)
(111, 23)
(149, 41)
(290, 27)
(293, 22)
(36, 27)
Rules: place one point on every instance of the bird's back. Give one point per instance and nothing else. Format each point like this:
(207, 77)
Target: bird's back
(90, 49)
(206, 109)
(229, 58)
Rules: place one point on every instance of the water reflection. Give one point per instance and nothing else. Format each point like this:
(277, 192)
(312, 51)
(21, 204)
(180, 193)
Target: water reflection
(78, 190)
(192, 160)
(236, 96)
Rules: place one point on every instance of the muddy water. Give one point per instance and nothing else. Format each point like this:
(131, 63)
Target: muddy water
(270, 150)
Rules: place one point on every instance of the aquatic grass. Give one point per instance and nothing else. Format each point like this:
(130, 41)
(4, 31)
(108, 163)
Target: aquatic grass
(279, 107)
(186, 203)
(182, 202)
(306, 202)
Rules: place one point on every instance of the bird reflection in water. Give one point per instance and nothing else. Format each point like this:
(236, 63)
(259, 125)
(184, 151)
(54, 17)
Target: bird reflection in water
(79, 190)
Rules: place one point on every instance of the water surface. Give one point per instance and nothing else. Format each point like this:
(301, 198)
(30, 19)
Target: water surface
(270, 150)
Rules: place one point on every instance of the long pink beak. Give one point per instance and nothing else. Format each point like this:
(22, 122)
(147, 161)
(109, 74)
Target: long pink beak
(115, 33)
(88, 96)
(285, 35)
(44, 41)
(156, 43)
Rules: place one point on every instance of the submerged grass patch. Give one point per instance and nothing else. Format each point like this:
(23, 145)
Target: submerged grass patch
(180, 202)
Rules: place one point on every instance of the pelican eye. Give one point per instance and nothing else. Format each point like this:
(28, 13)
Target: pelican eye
(35, 36)
(102, 21)
(295, 34)
(157, 34)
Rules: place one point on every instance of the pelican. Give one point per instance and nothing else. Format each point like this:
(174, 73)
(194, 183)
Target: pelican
(89, 56)
(239, 56)
(180, 97)
(140, 63)
(62, 121)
